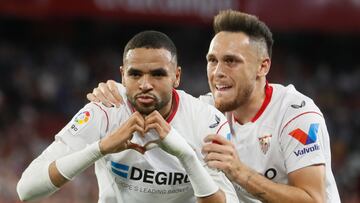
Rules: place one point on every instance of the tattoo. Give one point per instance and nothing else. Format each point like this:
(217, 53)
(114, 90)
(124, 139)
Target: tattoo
(258, 195)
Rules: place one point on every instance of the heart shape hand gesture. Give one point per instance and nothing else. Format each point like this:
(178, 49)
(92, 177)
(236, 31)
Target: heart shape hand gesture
(120, 139)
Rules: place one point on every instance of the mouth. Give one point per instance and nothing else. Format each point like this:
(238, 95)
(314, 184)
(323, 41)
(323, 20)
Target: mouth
(222, 88)
(145, 99)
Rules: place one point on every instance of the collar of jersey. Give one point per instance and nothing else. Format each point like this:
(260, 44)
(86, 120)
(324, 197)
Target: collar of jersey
(268, 94)
(174, 107)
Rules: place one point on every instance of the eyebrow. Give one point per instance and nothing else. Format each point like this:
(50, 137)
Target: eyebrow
(157, 71)
(227, 56)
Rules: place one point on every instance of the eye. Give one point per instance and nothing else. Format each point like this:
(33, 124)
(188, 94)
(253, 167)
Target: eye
(159, 73)
(134, 74)
(212, 60)
(230, 60)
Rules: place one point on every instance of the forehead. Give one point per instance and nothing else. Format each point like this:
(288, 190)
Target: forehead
(229, 43)
(144, 57)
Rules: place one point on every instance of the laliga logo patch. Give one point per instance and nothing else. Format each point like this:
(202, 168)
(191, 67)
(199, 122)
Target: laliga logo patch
(82, 118)
(79, 122)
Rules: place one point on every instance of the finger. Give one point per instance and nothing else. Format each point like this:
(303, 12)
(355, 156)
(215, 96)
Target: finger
(158, 128)
(92, 98)
(98, 94)
(155, 117)
(154, 126)
(115, 92)
(217, 139)
(138, 121)
(137, 128)
(222, 149)
(219, 165)
(107, 92)
(213, 156)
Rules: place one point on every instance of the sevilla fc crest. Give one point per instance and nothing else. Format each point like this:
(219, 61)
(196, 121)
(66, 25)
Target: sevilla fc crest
(265, 143)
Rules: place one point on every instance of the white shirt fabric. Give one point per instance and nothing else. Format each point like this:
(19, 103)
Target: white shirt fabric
(155, 176)
(289, 133)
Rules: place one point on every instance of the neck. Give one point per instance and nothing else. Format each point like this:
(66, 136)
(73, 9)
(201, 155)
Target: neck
(246, 112)
(166, 111)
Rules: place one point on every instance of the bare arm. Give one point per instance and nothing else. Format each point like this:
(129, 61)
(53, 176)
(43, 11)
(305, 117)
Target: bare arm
(305, 184)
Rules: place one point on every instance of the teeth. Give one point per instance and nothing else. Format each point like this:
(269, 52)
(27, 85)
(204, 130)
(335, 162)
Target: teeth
(221, 86)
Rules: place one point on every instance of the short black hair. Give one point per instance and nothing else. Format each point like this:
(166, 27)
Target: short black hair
(151, 39)
(236, 21)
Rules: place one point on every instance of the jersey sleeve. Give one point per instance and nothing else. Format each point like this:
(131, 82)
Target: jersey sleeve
(302, 140)
(87, 126)
(207, 98)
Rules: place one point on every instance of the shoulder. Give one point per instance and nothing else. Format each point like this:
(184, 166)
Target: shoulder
(292, 101)
(296, 107)
(198, 105)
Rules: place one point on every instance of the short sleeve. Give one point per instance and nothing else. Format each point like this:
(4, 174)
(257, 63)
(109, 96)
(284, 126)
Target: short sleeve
(86, 127)
(302, 140)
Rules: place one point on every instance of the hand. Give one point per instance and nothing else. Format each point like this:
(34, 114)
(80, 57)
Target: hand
(119, 140)
(157, 122)
(106, 93)
(222, 155)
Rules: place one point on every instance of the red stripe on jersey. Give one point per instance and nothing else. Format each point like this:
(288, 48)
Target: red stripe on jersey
(268, 94)
(175, 106)
(107, 117)
(221, 127)
(307, 112)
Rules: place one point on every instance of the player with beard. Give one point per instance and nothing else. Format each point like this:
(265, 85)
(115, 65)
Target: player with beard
(149, 149)
(280, 151)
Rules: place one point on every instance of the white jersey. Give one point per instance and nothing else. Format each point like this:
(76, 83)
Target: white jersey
(155, 176)
(288, 133)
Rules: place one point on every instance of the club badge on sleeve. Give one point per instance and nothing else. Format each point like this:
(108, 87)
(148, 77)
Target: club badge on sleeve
(80, 121)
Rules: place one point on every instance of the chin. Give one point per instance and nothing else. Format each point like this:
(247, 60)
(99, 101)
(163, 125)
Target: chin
(145, 110)
(225, 106)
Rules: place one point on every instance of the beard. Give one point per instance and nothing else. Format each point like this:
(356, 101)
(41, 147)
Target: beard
(227, 105)
(145, 109)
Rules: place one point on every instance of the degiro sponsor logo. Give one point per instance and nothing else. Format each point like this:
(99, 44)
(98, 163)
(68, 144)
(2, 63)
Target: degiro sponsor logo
(299, 152)
(149, 176)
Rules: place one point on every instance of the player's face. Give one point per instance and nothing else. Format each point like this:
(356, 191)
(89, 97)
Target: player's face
(149, 76)
(232, 63)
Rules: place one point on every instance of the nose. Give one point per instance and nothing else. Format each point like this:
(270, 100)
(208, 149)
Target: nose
(219, 70)
(145, 83)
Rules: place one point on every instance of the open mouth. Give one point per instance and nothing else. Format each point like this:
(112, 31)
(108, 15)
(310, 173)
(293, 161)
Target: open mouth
(222, 87)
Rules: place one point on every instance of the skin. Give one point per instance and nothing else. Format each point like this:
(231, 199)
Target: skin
(149, 76)
(236, 69)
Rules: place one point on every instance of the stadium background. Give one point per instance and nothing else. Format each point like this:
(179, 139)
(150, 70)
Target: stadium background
(52, 52)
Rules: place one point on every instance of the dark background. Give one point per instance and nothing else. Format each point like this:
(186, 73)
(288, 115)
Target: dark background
(53, 52)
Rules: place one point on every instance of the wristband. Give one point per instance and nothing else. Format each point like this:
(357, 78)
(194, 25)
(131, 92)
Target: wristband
(202, 183)
(71, 165)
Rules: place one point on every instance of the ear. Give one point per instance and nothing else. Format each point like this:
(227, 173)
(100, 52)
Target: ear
(177, 77)
(122, 72)
(264, 67)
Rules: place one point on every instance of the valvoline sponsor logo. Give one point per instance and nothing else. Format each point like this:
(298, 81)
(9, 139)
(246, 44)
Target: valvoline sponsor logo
(149, 176)
(306, 139)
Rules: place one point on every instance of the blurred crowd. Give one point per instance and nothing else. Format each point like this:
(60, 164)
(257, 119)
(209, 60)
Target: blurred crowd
(46, 71)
